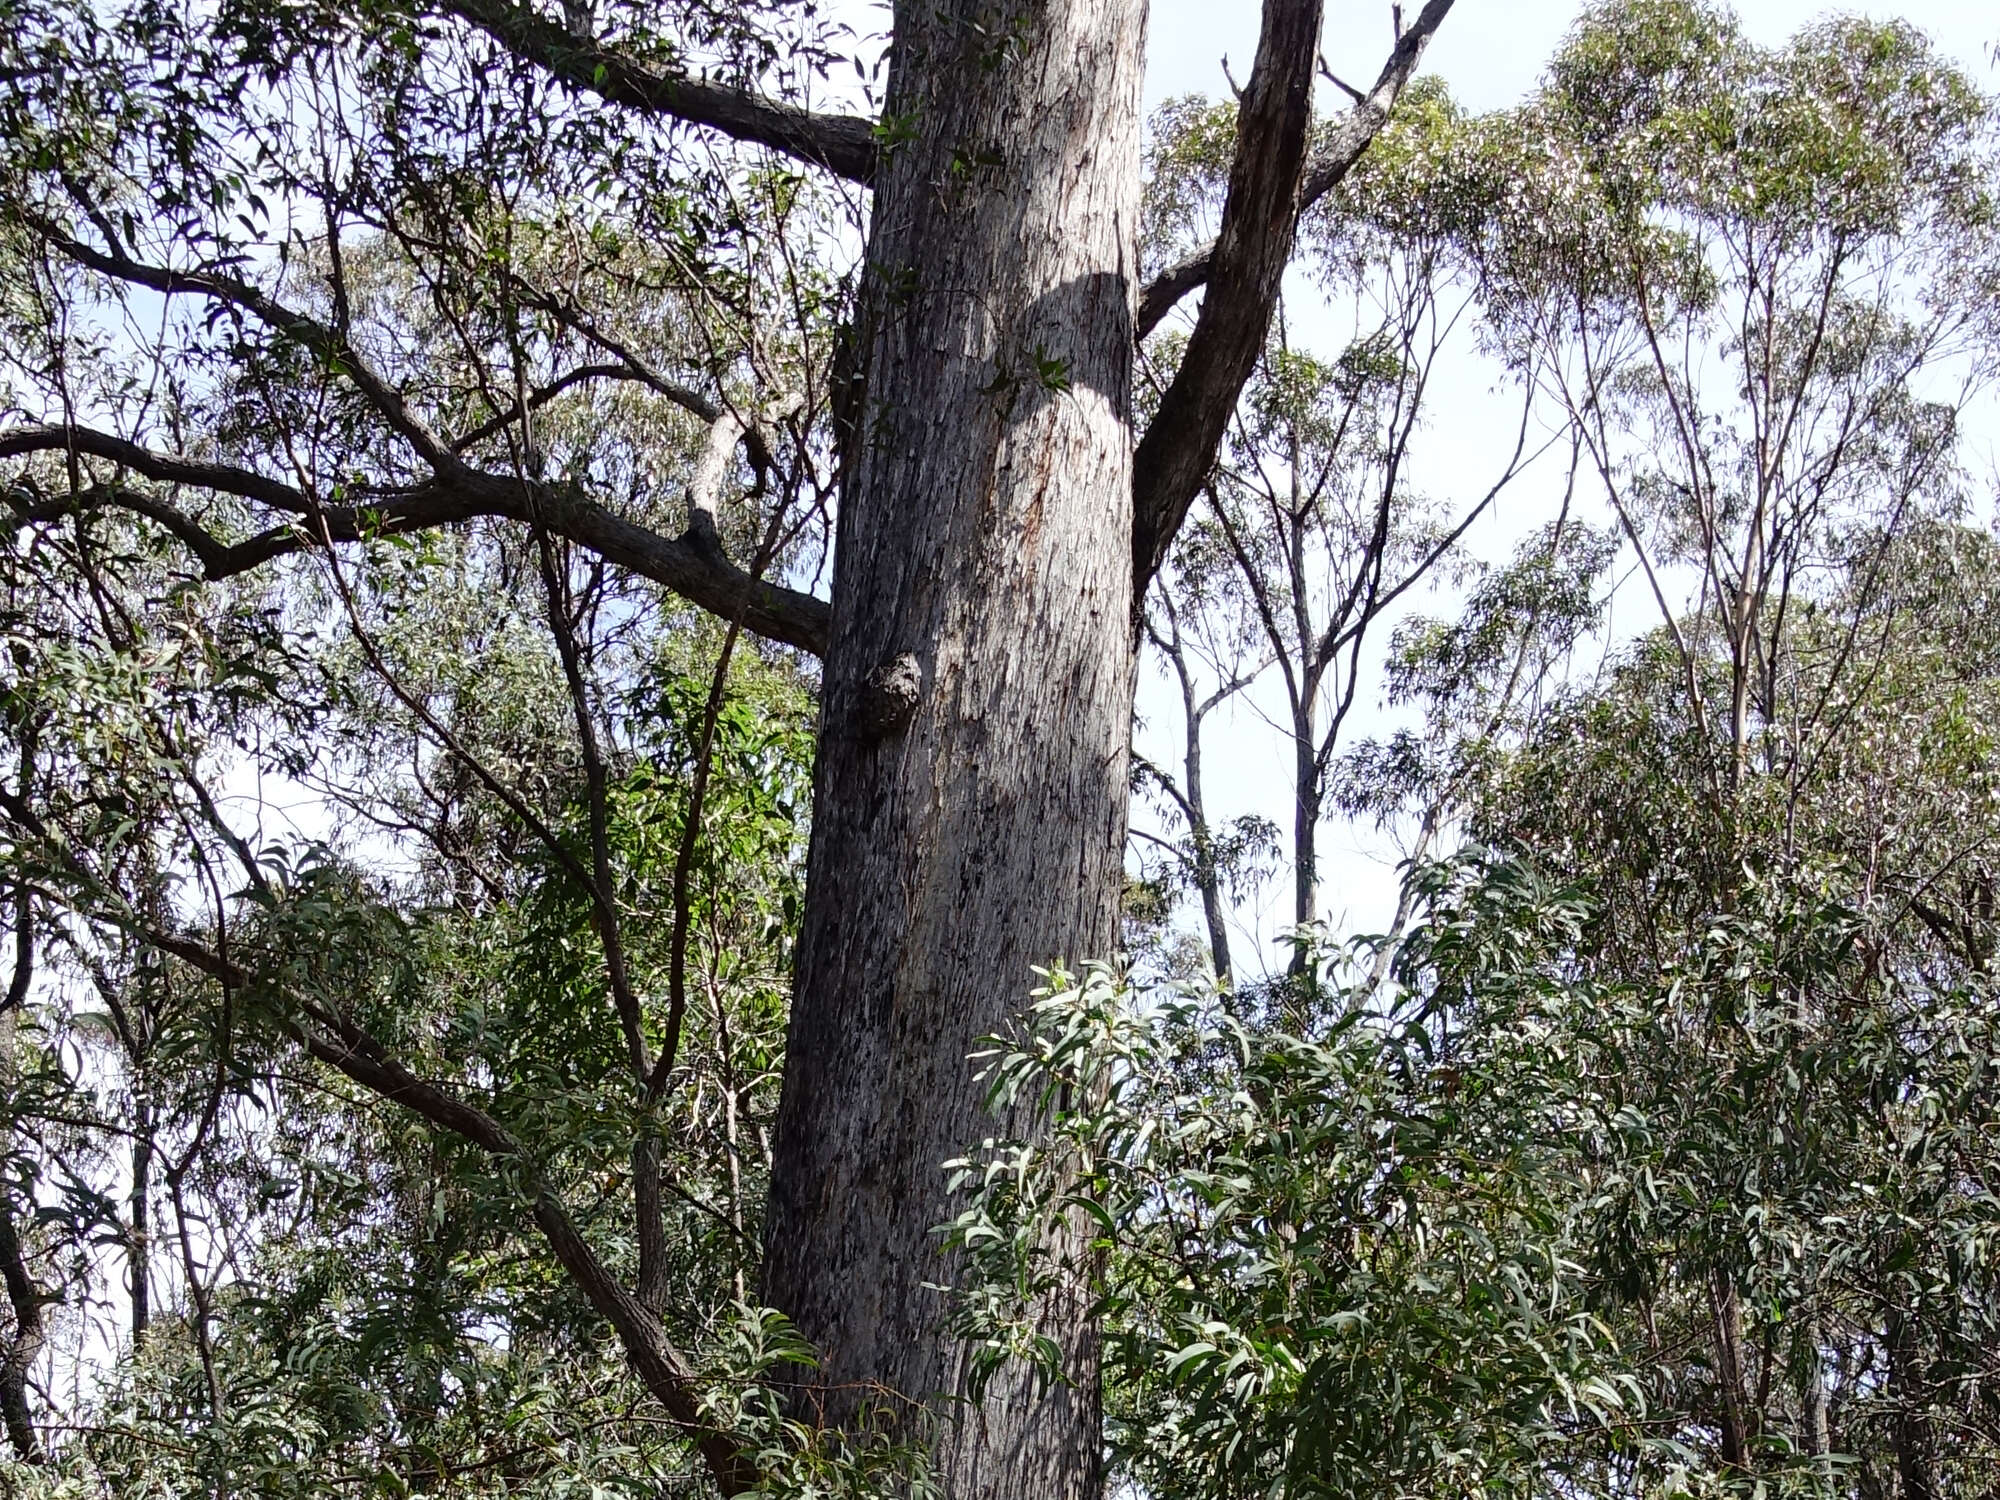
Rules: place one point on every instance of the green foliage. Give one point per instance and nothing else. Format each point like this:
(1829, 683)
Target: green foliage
(1653, 1156)
(1330, 1263)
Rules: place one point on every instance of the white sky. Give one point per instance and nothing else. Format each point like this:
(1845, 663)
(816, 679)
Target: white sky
(1491, 53)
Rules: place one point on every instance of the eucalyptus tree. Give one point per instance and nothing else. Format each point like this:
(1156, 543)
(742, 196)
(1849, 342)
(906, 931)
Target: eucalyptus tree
(294, 289)
(1756, 286)
(1799, 1050)
(1312, 528)
(1759, 280)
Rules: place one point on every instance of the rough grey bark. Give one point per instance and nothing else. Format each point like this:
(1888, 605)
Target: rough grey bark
(985, 532)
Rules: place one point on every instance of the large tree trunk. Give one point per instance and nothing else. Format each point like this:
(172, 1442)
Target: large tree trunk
(970, 798)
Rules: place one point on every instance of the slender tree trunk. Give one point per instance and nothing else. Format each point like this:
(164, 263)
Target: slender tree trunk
(1915, 1442)
(1305, 835)
(1207, 877)
(18, 1356)
(1305, 825)
(138, 1240)
(970, 793)
(1819, 1425)
(1727, 1311)
(26, 1345)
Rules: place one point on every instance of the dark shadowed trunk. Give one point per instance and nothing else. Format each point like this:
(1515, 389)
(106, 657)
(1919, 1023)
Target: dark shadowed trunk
(1726, 1312)
(1915, 1440)
(138, 1241)
(972, 778)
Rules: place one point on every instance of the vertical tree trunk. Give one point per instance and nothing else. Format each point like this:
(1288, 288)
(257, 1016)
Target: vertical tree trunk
(1306, 801)
(1726, 1311)
(1818, 1421)
(1207, 876)
(138, 1239)
(1305, 825)
(23, 1347)
(1915, 1441)
(970, 794)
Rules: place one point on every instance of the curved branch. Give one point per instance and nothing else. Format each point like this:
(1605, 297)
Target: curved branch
(687, 399)
(843, 144)
(309, 333)
(692, 565)
(1357, 128)
(167, 468)
(347, 1048)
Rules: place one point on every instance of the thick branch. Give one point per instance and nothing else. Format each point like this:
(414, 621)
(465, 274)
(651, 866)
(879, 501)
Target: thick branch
(1351, 137)
(693, 565)
(1259, 221)
(167, 468)
(844, 144)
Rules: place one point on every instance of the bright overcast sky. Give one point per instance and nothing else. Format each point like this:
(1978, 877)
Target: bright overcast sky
(1491, 51)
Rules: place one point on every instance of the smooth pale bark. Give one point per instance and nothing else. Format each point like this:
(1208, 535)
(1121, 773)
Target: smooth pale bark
(972, 776)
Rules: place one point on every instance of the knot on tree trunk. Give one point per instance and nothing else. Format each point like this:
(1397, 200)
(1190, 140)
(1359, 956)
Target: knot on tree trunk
(889, 697)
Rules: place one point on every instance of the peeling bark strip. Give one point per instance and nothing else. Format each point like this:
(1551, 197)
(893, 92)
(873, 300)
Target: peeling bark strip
(985, 527)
